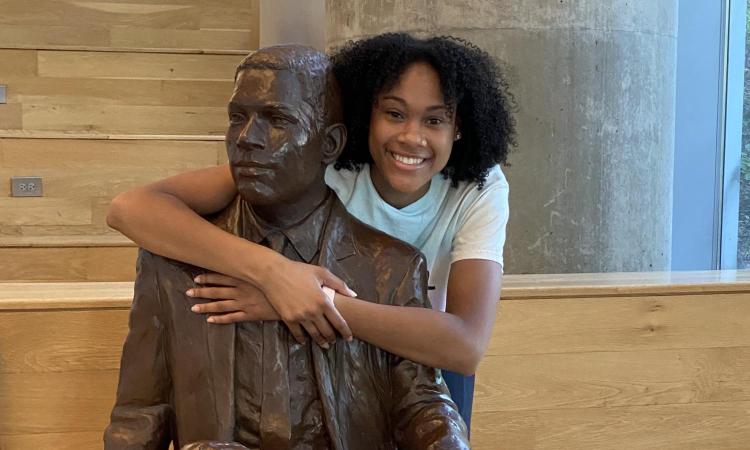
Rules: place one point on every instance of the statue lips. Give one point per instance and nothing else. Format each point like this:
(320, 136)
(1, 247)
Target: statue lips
(252, 169)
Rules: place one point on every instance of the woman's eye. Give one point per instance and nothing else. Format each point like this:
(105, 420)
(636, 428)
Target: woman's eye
(395, 114)
(236, 118)
(434, 121)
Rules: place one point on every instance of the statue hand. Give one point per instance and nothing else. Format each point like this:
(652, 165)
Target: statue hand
(232, 300)
(295, 291)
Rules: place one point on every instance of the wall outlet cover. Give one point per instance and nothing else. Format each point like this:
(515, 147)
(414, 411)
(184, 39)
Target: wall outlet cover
(26, 186)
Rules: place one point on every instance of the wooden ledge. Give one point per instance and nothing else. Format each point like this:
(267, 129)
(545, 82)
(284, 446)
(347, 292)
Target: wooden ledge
(85, 48)
(109, 295)
(19, 134)
(106, 240)
(46, 296)
(517, 287)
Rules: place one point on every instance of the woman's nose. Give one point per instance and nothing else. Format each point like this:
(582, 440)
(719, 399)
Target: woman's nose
(413, 138)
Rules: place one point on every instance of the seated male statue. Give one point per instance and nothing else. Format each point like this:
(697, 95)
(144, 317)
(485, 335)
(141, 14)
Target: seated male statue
(252, 385)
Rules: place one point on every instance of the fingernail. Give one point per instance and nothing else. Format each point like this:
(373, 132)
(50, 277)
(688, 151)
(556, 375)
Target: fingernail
(195, 308)
(350, 338)
(326, 346)
(211, 319)
(197, 279)
(190, 293)
(353, 294)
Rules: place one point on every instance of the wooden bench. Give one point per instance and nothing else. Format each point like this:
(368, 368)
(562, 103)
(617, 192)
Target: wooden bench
(640, 361)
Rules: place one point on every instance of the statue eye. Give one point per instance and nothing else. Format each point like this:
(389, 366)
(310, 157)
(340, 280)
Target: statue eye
(236, 118)
(281, 121)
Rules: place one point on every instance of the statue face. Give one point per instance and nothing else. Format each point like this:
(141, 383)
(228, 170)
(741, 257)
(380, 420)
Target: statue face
(274, 149)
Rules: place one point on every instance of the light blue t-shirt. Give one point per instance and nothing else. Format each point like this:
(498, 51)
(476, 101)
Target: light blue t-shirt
(447, 224)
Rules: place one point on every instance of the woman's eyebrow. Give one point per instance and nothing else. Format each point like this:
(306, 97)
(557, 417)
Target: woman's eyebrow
(402, 101)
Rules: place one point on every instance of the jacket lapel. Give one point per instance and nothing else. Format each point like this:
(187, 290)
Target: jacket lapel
(337, 245)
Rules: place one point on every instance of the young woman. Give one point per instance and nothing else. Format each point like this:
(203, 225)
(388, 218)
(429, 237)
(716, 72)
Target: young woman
(429, 125)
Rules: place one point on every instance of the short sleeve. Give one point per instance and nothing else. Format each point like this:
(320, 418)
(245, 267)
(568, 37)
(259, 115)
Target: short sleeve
(480, 232)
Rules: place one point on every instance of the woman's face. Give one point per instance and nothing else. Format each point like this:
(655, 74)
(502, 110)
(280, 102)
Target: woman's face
(411, 135)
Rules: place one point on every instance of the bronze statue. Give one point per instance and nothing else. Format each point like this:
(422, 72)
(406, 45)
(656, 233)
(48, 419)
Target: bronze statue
(251, 385)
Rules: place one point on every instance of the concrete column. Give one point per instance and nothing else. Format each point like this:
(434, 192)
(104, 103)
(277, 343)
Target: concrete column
(292, 21)
(594, 81)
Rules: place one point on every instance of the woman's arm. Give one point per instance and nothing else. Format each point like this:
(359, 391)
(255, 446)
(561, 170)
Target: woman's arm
(455, 340)
(163, 217)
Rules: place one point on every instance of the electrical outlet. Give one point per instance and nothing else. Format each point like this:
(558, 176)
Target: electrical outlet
(26, 186)
(2, 94)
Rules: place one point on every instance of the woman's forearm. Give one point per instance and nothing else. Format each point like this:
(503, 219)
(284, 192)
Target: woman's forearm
(429, 337)
(164, 225)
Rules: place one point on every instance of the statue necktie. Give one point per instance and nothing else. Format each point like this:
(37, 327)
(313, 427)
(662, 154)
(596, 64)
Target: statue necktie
(275, 426)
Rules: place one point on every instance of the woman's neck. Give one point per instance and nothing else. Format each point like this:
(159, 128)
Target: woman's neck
(393, 197)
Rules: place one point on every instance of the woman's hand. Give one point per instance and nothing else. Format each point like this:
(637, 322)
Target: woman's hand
(294, 289)
(233, 300)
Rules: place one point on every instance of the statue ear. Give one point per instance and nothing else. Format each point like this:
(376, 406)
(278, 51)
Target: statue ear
(335, 139)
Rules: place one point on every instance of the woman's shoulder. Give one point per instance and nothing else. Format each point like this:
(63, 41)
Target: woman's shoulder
(342, 181)
(494, 189)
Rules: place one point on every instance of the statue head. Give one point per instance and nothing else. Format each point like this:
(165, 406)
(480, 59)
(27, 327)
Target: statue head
(284, 124)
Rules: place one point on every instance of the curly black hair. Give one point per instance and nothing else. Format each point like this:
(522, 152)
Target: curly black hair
(471, 83)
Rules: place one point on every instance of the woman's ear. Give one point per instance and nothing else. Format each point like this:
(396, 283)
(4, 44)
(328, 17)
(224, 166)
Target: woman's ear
(335, 140)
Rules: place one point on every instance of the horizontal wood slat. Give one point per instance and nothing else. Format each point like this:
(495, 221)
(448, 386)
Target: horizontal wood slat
(68, 263)
(181, 24)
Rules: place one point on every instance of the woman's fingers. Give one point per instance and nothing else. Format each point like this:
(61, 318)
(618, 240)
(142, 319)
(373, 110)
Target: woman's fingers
(216, 307)
(296, 331)
(334, 282)
(316, 334)
(233, 317)
(337, 321)
(215, 293)
(217, 279)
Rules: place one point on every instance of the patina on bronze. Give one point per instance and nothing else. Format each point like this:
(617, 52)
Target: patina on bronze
(251, 385)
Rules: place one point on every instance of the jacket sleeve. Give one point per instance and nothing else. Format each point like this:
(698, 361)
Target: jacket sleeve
(424, 415)
(142, 417)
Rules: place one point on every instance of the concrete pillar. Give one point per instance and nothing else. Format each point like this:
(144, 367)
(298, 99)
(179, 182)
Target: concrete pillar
(594, 81)
(292, 21)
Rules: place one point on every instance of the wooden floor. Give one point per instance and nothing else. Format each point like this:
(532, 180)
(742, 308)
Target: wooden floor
(636, 361)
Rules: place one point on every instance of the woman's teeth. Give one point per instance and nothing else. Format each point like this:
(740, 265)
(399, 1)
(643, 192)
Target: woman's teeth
(407, 159)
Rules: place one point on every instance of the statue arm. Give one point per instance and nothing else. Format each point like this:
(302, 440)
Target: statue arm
(424, 415)
(142, 417)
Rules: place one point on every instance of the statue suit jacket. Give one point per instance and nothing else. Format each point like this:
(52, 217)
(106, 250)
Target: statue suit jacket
(177, 371)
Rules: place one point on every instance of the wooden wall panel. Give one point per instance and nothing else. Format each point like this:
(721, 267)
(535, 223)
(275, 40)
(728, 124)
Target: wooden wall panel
(697, 426)
(612, 379)
(180, 25)
(63, 354)
(51, 402)
(62, 341)
(150, 66)
(116, 93)
(67, 264)
(142, 92)
(45, 211)
(58, 441)
(82, 175)
(621, 324)
(106, 119)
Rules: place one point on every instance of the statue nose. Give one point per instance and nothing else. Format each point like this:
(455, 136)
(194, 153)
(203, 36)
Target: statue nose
(253, 135)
